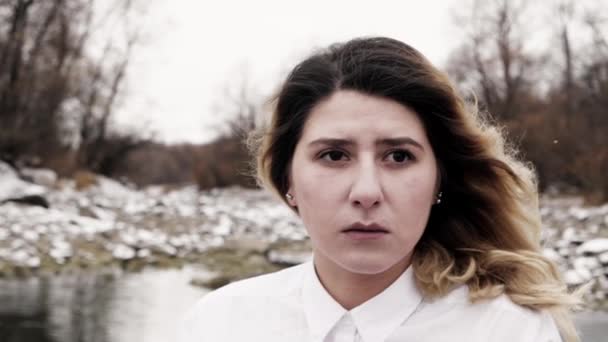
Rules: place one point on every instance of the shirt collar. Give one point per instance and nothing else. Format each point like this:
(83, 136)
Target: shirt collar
(322, 311)
(380, 316)
(376, 319)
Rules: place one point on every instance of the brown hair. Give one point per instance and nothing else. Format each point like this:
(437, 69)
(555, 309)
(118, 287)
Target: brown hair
(486, 232)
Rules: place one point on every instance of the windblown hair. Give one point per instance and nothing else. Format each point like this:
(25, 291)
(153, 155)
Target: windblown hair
(486, 232)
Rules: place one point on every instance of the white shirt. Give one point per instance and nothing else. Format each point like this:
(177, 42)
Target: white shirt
(292, 306)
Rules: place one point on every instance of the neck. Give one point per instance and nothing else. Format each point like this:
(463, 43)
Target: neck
(351, 289)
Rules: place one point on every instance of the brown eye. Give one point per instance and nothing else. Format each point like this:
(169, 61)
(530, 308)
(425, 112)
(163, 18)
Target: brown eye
(401, 156)
(333, 155)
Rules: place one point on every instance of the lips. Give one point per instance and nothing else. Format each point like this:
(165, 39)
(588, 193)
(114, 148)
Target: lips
(371, 228)
(364, 233)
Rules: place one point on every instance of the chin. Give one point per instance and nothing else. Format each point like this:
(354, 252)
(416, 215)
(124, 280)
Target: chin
(368, 266)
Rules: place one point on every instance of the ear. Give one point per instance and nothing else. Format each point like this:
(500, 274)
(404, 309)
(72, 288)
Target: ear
(291, 200)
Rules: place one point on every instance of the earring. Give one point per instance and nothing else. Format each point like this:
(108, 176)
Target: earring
(289, 196)
(439, 197)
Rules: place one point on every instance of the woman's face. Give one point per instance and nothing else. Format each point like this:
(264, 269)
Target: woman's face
(363, 178)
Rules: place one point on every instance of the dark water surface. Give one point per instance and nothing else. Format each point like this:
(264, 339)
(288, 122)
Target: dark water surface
(116, 307)
(99, 307)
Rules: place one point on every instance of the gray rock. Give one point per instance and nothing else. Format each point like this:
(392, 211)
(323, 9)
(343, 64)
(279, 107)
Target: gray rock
(589, 263)
(551, 254)
(43, 177)
(595, 246)
(603, 258)
(6, 169)
(12, 187)
(575, 277)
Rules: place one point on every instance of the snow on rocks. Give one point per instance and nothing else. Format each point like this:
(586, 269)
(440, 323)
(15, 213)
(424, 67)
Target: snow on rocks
(594, 246)
(25, 258)
(603, 259)
(123, 252)
(223, 227)
(6, 169)
(552, 255)
(60, 250)
(577, 276)
(12, 187)
(43, 177)
(109, 222)
(580, 238)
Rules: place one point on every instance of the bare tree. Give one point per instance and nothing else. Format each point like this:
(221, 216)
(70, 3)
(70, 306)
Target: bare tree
(553, 98)
(49, 73)
(492, 60)
(226, 161)
(595, 74)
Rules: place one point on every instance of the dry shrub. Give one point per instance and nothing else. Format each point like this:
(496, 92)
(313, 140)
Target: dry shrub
(224, 163)
(593, 170)
(155, 163)
(105, 153)
(64, 162)
(567, 151)
(84, 179)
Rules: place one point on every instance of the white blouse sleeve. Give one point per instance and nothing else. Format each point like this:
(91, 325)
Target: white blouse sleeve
(528, 326)
(547, 329)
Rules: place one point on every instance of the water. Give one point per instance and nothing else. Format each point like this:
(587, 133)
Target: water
(111, 306)
(100, 307)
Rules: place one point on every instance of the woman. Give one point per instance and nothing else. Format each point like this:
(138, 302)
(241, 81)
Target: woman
(424, 226)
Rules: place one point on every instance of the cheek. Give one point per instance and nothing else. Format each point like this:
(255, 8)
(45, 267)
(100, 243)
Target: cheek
(313, 181)
(317, 194)
(415, 190)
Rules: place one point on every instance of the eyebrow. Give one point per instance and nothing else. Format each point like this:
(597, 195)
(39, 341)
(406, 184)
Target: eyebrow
(349, 143)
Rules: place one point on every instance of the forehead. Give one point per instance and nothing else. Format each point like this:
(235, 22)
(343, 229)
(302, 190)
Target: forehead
(352, 114)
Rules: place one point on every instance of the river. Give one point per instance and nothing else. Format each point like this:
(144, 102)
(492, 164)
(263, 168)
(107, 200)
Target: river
(116, 306)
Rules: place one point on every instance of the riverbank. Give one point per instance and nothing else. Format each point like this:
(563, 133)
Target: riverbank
(234, 232)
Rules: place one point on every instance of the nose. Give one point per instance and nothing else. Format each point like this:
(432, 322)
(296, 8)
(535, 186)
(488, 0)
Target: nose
(366, 190)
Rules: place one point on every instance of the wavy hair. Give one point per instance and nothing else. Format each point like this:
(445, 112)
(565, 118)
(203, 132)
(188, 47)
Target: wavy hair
(486, 232)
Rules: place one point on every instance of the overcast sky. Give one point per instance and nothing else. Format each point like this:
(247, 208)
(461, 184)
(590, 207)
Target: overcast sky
(195, 50)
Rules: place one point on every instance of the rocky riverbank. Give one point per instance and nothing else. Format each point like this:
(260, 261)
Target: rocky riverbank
(50, 225)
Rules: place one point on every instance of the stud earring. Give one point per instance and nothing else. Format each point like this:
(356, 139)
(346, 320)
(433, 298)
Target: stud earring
(289, 196)
(438, 197)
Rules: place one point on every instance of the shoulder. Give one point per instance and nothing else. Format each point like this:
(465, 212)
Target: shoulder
(520, 323)
(214, 314)
(502, 303)
(500, 317)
